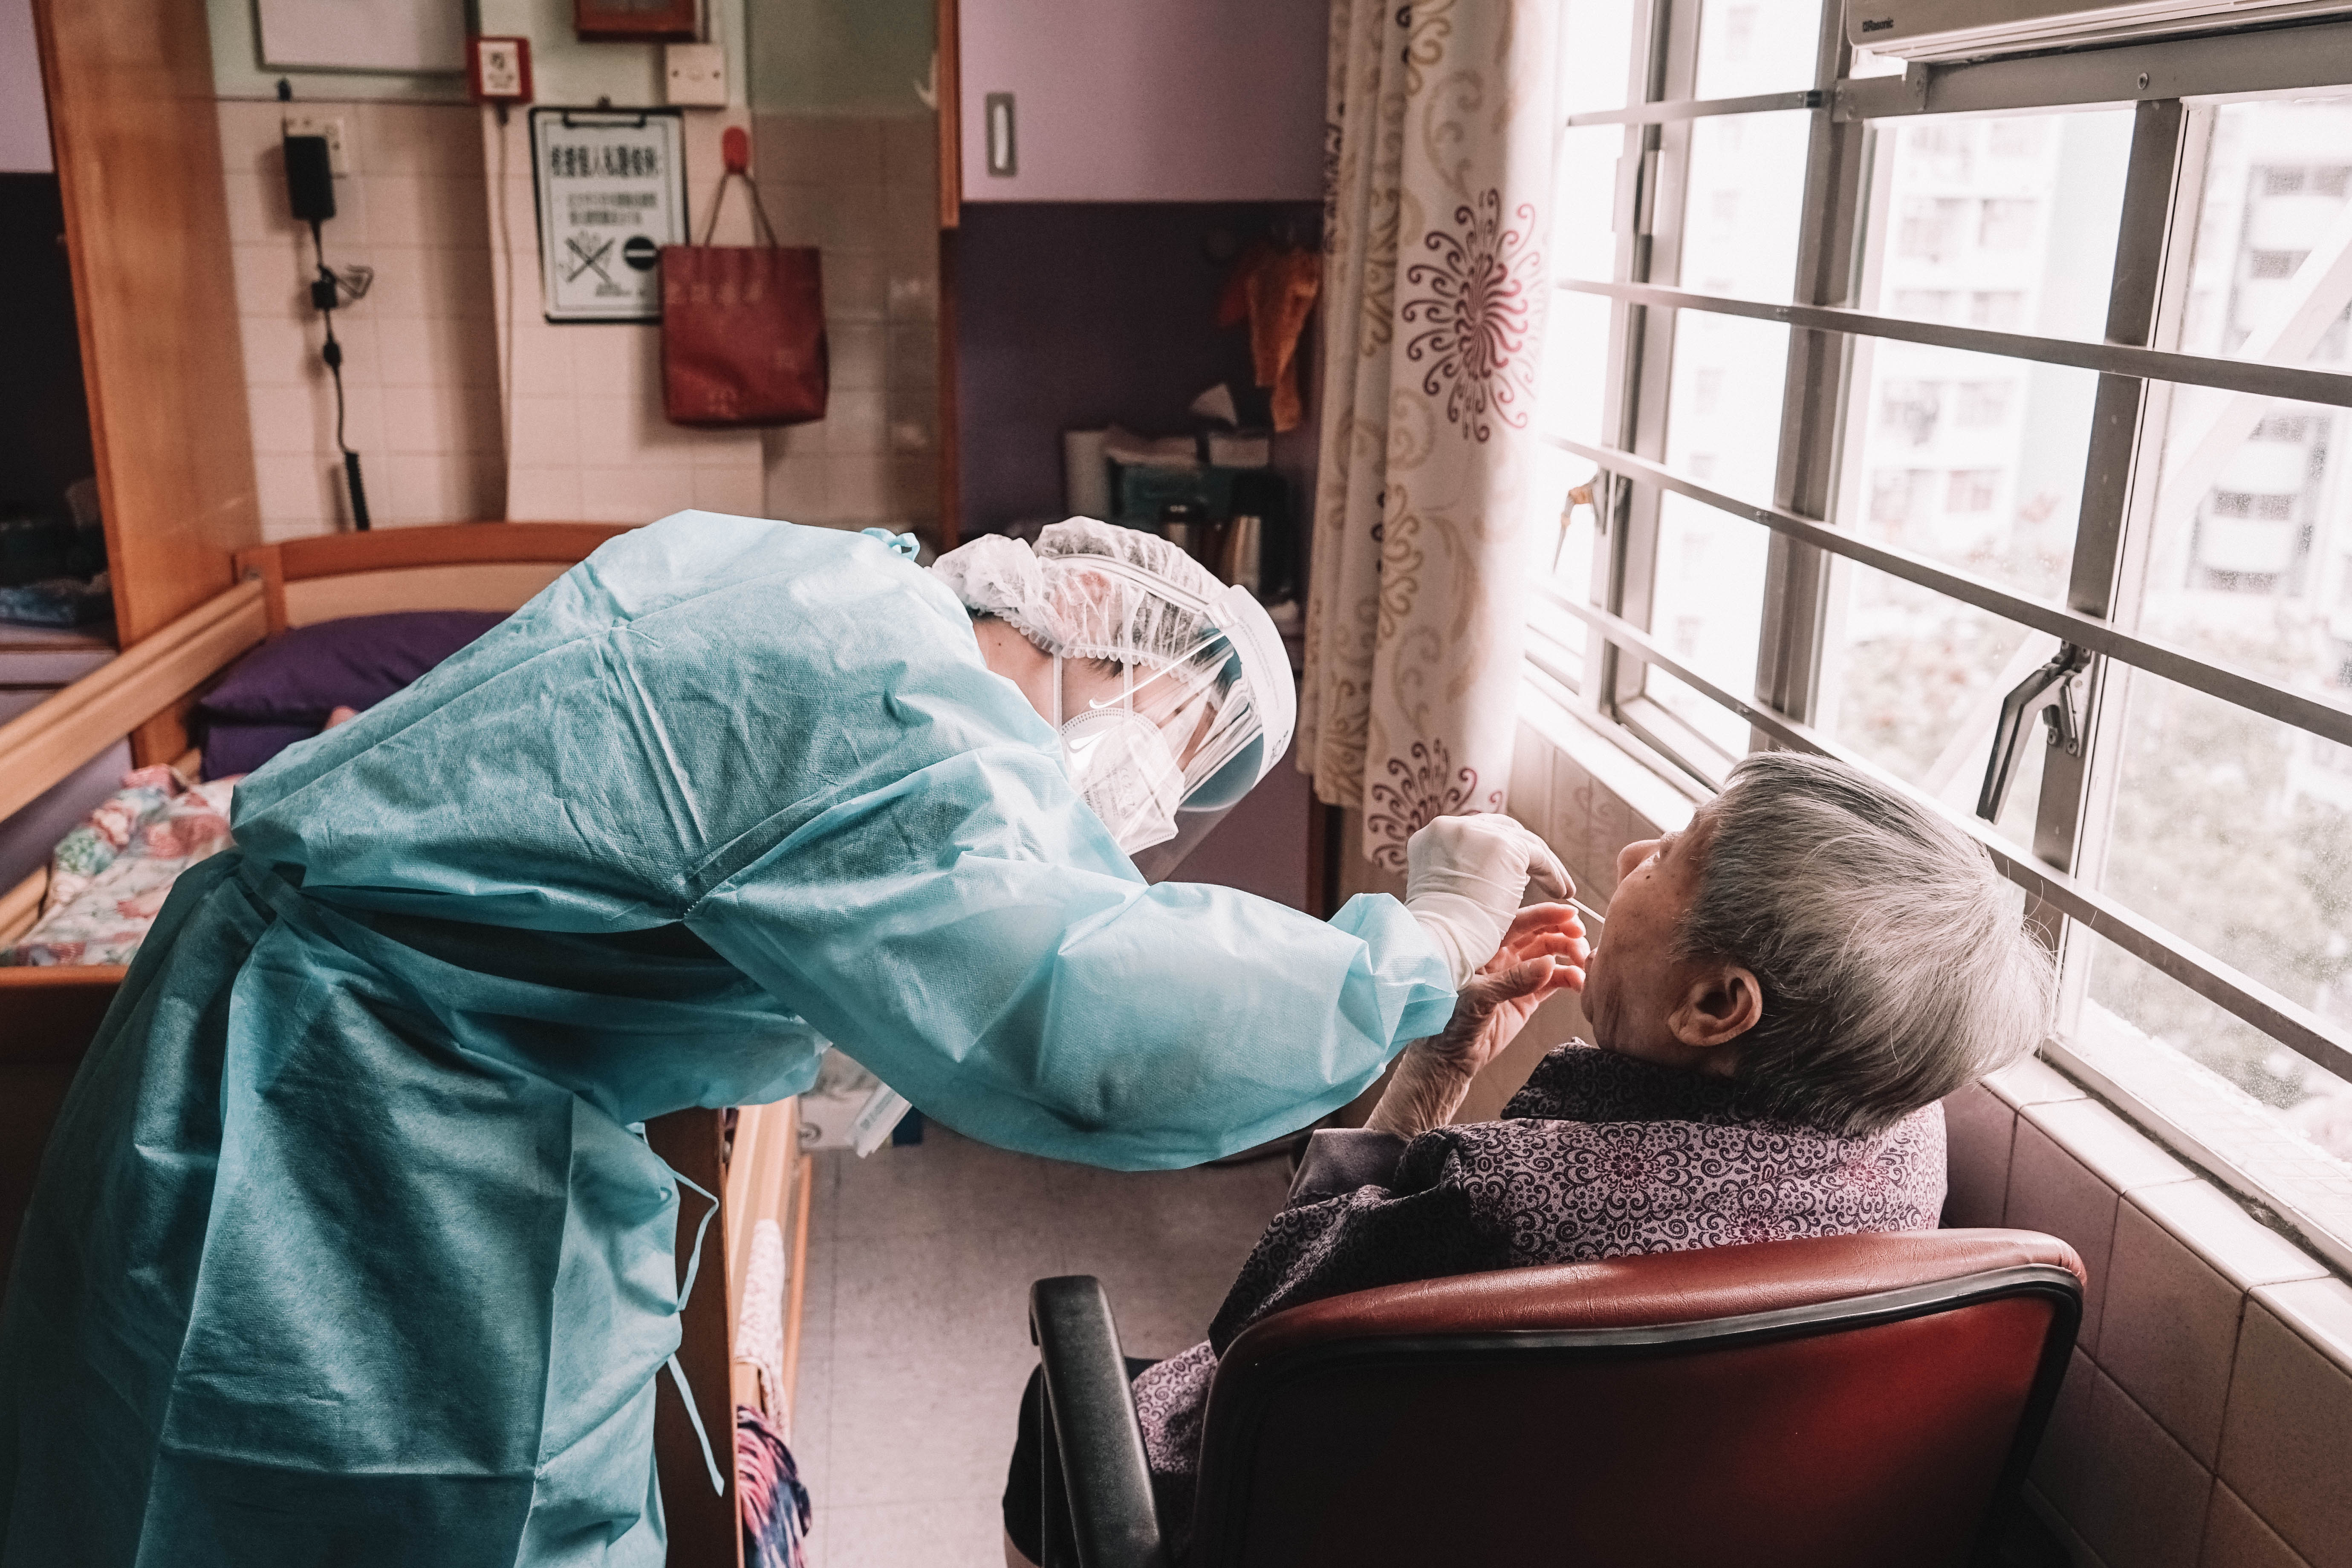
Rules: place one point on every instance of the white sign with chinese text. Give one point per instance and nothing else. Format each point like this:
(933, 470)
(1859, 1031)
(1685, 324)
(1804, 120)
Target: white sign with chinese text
(612, 193)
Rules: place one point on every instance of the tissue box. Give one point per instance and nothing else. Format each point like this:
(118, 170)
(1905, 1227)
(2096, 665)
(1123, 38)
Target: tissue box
(830, 1104)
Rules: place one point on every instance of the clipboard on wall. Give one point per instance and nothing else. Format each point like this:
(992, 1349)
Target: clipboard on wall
(611, 192)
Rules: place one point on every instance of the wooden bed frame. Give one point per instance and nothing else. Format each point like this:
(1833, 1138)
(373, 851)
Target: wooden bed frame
(48, 1015)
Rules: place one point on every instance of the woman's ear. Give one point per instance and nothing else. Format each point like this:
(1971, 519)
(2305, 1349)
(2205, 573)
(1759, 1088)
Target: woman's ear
(1720, 1002)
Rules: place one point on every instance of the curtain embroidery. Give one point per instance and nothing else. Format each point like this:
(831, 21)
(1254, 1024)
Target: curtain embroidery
(1478, 310)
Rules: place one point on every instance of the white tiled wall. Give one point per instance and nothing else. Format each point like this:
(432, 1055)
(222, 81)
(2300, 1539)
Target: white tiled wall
(584, 437)
(420, 369)
(865, 190)
(2208, 1415)
(588, 440)
(2207, 1418)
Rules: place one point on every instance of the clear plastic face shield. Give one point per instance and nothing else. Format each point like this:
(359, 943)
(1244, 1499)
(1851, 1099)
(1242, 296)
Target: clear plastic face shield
(1161, 749)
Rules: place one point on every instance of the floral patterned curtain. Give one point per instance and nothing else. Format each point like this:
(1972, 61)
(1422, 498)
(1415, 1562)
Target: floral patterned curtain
(1438, 152)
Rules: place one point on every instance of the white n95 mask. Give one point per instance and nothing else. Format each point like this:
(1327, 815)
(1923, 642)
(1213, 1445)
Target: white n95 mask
(1122, 766)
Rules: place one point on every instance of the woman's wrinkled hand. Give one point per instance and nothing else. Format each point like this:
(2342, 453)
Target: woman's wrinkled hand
(1544, 951)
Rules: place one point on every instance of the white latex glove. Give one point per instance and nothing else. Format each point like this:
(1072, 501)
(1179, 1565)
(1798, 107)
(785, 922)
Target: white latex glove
(1465, 877)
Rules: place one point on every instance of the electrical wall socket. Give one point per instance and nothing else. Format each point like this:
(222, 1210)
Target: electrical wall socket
(697, 74)
(328, 126)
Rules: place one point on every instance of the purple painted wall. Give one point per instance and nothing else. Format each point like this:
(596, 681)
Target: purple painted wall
(1260, 846)
(1127, 100)
(1074, 315)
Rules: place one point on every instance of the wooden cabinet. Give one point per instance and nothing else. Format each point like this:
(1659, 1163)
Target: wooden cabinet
(132, 120)
(1209, 101)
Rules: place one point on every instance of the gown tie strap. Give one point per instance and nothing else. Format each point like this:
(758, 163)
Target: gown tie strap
(677, 1373)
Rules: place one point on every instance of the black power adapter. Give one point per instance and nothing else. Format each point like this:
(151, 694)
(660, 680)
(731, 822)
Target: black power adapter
(310, 179)
(311, 194)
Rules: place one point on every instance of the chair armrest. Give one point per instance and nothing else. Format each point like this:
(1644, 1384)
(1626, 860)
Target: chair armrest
(1104, 1510)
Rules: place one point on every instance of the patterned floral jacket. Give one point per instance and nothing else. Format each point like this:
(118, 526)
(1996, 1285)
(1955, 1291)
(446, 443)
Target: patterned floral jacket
(1599, 1156)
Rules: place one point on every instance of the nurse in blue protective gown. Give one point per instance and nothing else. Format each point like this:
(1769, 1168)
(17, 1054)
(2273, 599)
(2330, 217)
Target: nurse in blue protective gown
(347, 1248)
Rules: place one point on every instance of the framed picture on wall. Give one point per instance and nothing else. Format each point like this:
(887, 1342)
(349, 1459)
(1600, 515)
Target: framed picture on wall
(405, 36)
(635, 21)
(611, 192)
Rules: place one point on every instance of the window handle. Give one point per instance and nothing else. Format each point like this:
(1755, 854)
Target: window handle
(2056, 691)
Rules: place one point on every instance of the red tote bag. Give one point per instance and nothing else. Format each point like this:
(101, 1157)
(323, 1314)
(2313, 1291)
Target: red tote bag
(743, 328)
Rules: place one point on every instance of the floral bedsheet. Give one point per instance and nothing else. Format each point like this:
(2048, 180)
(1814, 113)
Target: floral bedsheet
(109, 877)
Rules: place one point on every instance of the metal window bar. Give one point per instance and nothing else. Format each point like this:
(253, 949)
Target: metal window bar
(2307, 55)
(2156, 75)
(1649, 218)
(1660, 114)
(2292, 1025)
(1820, 368)
(2325, 720)
(2262, 379)
(2296, 57)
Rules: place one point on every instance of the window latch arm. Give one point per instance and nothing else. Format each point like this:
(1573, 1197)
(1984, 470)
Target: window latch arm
(2056, 691)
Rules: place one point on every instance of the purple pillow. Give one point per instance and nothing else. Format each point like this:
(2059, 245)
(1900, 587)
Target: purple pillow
(356, 662)
(231, 748)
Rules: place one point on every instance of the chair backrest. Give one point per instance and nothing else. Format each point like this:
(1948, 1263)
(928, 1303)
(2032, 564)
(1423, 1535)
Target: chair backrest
(1847, 1400)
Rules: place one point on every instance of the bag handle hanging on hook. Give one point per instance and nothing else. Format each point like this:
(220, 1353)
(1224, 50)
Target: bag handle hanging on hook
(735, 152)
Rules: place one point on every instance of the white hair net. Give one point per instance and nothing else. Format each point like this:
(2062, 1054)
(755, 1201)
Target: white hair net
(1092, 590)
(1062, 599)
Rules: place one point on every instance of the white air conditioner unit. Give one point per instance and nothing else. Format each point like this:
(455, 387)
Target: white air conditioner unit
(1972, 30)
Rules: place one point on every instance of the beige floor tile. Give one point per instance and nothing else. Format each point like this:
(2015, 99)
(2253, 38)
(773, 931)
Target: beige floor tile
(914, 1344)
(907, 1430)
(964, 1533)
(810, 1438)
(951, 1299)
(946, 1183)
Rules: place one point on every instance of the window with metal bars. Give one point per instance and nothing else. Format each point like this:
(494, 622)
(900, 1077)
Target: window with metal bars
(1998, 449)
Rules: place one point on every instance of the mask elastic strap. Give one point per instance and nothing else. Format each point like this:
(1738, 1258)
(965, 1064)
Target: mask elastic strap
(677, 1373)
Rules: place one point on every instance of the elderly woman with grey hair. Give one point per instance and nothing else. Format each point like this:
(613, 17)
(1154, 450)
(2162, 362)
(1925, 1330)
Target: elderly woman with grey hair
(1783, 993)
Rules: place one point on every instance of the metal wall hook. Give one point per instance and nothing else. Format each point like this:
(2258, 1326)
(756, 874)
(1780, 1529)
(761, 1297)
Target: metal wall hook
(2056, 691)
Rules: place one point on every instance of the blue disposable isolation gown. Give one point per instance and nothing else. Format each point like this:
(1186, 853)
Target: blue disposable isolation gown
(343, 1249)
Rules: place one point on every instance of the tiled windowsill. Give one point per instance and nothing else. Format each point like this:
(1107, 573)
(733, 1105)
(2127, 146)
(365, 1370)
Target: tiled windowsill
(2223, 1132)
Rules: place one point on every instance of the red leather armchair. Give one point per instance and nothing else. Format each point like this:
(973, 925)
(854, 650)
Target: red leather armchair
(1859, 1400)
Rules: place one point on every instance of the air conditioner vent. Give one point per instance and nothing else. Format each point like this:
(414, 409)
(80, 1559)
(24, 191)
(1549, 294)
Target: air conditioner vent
(1972, 30)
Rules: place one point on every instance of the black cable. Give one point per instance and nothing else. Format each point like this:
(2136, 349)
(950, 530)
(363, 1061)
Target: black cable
(323, 294)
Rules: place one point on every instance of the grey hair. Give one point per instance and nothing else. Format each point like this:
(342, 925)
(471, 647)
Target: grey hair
(1894, 964)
